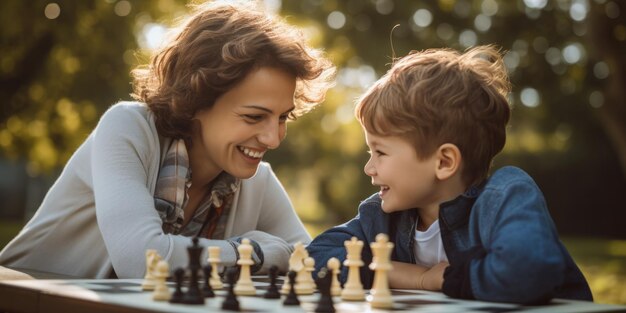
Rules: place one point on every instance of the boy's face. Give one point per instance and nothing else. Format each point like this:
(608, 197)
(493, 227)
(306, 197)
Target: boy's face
(405, 181)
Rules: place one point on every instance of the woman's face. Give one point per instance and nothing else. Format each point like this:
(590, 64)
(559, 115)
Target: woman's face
(245, 122)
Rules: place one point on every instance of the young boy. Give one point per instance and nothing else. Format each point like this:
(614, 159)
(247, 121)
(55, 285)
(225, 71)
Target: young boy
(433, 124)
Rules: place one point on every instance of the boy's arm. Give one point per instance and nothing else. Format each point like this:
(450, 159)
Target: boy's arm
(330, 244)
(521, 261)
(369, 222)
(413, 276)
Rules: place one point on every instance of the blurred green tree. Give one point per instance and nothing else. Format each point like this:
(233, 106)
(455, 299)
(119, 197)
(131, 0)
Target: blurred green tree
(62, 64)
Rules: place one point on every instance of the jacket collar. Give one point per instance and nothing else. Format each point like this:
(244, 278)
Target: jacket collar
(455, 213)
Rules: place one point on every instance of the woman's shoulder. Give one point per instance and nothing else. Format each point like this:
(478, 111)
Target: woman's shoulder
(127, 110)
(263, 173)
(128, 117)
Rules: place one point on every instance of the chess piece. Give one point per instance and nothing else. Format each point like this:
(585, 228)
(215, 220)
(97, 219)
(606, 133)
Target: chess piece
(381, 264)
(325, 304)
(272, 291)
(296, 262)
(214, 260)
(152, 258)
(193, 295)
(333, 266)
(244, 286)
(161, 292)
(207, 290)
(231, 303)
(353, 289)
(292, 297)
(178, 296)
(305, 285)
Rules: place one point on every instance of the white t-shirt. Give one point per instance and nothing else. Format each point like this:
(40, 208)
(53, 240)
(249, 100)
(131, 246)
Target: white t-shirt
(428, 247)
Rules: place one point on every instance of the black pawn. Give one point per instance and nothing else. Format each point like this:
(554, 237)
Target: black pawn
(231, 303)
(194, 295)
(292, 298)
(177, 296)
(272, 291)
(324, 280)
(207, 290)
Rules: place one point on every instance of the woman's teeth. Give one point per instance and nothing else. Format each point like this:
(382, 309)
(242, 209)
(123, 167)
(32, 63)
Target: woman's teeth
(251, 153)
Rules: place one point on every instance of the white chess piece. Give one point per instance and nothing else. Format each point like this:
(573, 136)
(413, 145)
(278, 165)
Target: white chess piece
(161, 292)
(305, 285)
(152, 258)
(381, 264)
(214, 260)
(244, 286)
(296, 263)
(333, 265)
(353, 289)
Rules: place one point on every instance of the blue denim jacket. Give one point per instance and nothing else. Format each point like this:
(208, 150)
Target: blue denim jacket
(499, 238)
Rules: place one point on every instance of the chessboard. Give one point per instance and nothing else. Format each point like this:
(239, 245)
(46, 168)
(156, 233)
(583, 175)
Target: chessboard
(126, 295)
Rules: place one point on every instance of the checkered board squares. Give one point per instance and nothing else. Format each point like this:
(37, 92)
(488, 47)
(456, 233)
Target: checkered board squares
(127, 293)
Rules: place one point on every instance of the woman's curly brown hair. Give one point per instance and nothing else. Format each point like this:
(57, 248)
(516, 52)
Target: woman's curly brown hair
(213, 51)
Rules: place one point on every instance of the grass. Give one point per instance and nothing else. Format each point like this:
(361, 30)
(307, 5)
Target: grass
(8, 230)
(602, 261)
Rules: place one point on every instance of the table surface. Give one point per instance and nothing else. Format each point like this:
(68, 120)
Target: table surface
(34, 294)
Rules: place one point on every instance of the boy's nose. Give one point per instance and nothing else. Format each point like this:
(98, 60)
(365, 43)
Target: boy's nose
(369, 169)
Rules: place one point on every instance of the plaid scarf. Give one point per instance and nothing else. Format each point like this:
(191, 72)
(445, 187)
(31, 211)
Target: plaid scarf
(170, 197)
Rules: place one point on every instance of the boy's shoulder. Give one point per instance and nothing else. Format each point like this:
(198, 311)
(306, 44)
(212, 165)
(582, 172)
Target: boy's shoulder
(508, 177)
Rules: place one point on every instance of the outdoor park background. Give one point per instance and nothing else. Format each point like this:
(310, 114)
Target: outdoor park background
(63, 63)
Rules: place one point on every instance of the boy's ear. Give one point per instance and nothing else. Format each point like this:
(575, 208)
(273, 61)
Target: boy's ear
(448, 161)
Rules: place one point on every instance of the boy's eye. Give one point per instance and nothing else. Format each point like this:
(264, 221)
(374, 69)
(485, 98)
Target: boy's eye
(377, 152)
(283, 118)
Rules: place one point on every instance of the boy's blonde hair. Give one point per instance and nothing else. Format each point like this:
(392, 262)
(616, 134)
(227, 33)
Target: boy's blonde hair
(440, 96)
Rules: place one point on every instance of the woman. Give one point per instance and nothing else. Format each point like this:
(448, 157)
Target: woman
(185, 159)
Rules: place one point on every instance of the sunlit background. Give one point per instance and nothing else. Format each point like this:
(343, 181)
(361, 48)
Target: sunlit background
(63, 63)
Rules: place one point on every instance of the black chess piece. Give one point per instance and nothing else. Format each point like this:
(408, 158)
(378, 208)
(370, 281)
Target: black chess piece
(323, 281)
(193, 295)
(272, 291)
(231, 303)
(292, 298)
(177, 296)
(207, 290)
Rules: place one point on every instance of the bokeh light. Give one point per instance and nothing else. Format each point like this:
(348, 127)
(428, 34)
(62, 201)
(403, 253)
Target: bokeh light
(52, 11)
(336, 20)
(530, 97)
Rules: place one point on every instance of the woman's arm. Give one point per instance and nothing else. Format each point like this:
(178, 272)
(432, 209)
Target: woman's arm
(269, 220)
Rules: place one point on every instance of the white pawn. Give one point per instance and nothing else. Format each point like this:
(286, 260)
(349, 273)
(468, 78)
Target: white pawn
(244, 286)
(305, 285)
(333, 265)
(152, 258)
(161, 292)
(353, 289)
(214, 260)
(381, 264)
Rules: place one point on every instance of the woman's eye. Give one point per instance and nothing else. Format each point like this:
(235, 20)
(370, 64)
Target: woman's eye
(253, 118)
(283, 118)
